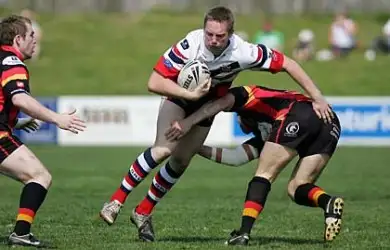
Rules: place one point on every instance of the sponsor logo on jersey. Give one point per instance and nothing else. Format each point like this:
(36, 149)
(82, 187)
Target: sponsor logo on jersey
(168, 63)
(20, 84)
(12, 60)
(184, 44)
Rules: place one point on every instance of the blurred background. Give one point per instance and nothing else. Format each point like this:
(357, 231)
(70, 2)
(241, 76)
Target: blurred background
(97, 55)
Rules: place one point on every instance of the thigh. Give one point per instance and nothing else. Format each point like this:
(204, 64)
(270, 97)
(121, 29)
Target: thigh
(168, 113)
(189, 145)
(309, 168)
(273, 158)
(22, 165)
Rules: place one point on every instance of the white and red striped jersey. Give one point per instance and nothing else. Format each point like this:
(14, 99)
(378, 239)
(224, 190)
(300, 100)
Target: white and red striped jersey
(238, 56)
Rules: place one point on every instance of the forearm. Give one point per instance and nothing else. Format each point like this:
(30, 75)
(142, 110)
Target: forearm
(205, 151)
(211, 108)
(232, 157)
(302, 78)
(166, 87)
(33, 108)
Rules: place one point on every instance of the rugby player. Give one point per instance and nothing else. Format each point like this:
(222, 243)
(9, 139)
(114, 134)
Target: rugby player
(17, 44)
(296, 130)
(226, 55)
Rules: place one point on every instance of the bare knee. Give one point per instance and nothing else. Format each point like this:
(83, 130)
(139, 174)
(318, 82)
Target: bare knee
(160, 153)
(39, 175)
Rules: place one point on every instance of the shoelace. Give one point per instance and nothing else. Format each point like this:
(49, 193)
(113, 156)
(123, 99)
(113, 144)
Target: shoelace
(114, 207)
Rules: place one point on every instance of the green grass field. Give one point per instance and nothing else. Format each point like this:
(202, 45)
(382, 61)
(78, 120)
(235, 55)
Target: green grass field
(204, 206)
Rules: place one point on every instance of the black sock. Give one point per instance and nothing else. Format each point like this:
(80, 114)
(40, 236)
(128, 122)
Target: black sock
(311, 196)
(32, 197)
(258, 189)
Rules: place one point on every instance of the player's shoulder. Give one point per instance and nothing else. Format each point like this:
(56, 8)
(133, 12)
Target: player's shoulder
(243, 50)
(193, 38)
(9, 59)
(240, 44)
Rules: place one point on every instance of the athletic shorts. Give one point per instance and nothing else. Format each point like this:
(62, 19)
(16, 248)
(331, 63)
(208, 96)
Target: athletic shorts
(302, 130)
(8, 144)
(190, 107)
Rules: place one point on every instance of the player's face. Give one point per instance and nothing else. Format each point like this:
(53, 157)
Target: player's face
(26, 44)
(216, 36)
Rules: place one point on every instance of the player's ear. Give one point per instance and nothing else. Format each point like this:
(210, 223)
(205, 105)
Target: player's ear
(17, 40)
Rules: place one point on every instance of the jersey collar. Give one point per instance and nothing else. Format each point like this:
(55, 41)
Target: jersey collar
(13, 50)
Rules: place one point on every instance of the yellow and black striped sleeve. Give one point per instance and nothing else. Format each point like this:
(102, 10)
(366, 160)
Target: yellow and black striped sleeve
(14, 80)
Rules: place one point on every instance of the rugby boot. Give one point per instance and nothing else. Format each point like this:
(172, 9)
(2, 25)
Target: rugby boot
(110, 211)
(24, 240)
(237, 239)
(333, 214)
(144, 226)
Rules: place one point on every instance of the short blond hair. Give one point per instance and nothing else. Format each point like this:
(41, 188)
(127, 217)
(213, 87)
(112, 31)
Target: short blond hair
(12, 26)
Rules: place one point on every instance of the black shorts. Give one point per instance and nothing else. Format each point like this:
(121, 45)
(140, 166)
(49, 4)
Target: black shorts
(256, 142)
(8, 144)
(303, 131)
(190, 107)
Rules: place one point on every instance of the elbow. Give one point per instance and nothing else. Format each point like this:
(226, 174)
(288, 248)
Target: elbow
(152, 86)
(155, 83)
(19, 100)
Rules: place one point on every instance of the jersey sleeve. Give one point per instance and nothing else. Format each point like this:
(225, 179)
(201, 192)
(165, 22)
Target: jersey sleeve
(173, 60)
(241, 97)
(265, 59)
(14, 80)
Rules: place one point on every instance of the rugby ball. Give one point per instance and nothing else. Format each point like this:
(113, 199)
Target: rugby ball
(193, 73)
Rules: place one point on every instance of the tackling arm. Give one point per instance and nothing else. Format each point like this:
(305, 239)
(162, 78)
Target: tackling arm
(301, 77)
(234, 157)
(211, 108)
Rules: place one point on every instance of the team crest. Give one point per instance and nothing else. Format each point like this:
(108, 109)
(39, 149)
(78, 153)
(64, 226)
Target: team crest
(292, 129)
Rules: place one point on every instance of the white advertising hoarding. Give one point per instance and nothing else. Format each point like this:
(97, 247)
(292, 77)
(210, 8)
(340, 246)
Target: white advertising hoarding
(365, 121)
(125, 121)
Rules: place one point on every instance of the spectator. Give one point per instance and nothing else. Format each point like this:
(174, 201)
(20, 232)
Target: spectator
(270, 37)
(304, 50)
(342, 35)
(37, 31)
(380, 44)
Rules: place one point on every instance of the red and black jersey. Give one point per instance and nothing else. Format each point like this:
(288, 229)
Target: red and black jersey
(14, 80)
(261, 104)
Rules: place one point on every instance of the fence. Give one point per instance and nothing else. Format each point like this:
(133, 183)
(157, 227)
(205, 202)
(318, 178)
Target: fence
(241, 6)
